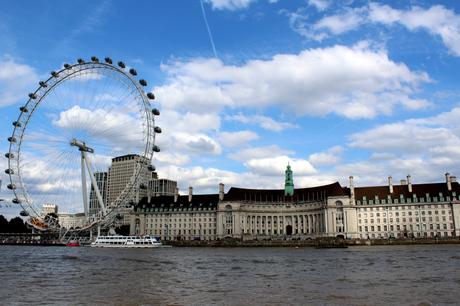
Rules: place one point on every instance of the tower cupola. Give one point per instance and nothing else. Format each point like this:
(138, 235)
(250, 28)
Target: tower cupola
(288, 182)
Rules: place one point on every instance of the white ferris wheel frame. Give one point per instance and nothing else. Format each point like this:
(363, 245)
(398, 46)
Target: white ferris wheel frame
(107, 214)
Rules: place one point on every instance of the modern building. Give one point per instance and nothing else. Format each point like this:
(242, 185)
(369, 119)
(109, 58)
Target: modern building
(102, 182)
(121, 174)
(406, 210)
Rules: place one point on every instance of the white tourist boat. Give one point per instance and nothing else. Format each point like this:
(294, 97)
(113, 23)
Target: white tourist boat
(126, 242)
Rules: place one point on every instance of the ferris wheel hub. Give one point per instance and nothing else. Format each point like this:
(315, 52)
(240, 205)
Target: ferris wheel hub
(81, 145)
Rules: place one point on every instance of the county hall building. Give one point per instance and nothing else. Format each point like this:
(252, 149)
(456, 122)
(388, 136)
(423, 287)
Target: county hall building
(403, 210)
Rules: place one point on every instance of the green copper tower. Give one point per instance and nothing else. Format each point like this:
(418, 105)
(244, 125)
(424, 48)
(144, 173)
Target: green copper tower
(289, 182)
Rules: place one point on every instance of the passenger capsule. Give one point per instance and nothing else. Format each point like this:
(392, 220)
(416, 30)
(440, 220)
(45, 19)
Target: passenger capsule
(42, 84)
(9, 155)
(16, 201)
(108, 60)
(54, 74)
(32, 96)
(23, 109)
(156, 148)
(143, 82)
(66, 66)
(12, 139)
(151, 96)
(156, 112)
(94, 59)
(80, 61)
(121, 65)
(17, 124)
(9, 171)
(11, 186)
(151, 168)
(157, 129)
(133, 71)
(24, 213)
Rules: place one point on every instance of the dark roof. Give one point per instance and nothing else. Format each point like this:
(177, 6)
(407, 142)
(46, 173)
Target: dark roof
(199, 201)
(277, 195)
(420, 190)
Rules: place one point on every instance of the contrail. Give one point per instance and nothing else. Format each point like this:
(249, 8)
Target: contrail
(209, 30)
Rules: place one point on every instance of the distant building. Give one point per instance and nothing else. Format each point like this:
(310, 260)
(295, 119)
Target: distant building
(101, 181)
(49, 209)
(406, 210)
(72, 221)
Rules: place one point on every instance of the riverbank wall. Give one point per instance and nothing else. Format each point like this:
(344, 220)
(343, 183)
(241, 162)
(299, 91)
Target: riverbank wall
(309, 243)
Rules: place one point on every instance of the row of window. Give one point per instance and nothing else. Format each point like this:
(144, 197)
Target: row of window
(410, 227)
(409, 213)
(406, 235)
(405, 207)
(404, 220)
(402, 199)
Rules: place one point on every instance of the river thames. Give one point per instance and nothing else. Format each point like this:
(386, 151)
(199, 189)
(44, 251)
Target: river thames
(377, 275)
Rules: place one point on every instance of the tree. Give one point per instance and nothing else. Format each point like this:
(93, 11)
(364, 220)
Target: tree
(16, 225)
(3, 224)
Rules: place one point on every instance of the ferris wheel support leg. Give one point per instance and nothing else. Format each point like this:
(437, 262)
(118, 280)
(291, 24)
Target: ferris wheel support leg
(95, 187)
(83, 185)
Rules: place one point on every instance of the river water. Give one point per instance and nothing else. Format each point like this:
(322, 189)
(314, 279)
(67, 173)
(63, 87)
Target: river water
(377, 275)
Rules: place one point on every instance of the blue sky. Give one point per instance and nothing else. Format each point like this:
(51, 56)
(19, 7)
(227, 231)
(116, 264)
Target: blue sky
(360, 88)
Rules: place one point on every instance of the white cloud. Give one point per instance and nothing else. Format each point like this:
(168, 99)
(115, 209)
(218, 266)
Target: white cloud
(229, 4)
(425, 148)
(16, 82)
(172, 120)
(258, 152)
(437, 20)
(354, 82)
(263, 121)
(105, 125)
(237, 139)
(403, 137)
(320, 5)
(172, 158)
(340, 23)
(195, 144)
(277, 165)
(330, 157)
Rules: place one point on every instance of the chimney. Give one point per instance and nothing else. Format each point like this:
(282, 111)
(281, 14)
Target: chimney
(449, 185)
(352, 190)
(390, 183)
(190, 193)
(403, 182)
(176, 194)
(409, 183)
(221, 192)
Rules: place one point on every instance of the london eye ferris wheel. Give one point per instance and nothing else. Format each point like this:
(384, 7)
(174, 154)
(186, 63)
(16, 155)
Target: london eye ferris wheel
(70, 128)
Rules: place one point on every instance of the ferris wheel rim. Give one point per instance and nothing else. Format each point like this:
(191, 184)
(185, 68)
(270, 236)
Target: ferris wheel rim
(21, 195)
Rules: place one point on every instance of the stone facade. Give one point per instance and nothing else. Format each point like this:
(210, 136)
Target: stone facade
(408, 210)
